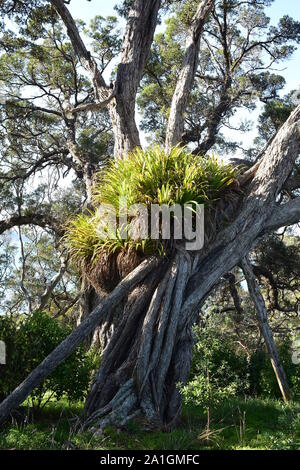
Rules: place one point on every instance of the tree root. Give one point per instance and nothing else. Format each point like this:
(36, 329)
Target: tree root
(121, 409)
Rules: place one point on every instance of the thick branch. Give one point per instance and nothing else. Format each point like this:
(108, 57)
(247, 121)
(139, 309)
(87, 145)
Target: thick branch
(80, 49)
(41, 220)
(235, 241)
(284, 215)
(292, 184)
(84, 108)
(52, 284)
(187, 75)
(139, 33)
(141, 23)
(234, 293)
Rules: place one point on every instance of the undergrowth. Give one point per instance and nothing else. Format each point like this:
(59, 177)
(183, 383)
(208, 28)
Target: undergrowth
(235, 424)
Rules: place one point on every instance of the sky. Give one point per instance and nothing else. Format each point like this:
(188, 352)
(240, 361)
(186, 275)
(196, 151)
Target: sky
(85, 10)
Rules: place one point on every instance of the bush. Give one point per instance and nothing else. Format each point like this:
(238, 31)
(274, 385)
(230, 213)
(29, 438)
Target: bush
(218, 370)
(28, 341)
(263, 381)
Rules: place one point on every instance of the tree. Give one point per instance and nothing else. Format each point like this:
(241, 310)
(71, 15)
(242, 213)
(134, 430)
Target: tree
(149, 352)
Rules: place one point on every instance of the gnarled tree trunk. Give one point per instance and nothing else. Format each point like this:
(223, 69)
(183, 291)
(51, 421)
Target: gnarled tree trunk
(143, 352)
(142, 376)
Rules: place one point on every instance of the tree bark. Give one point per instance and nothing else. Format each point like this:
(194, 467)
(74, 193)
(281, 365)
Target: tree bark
(187, 75)
(143, 352)
(231, 245)
(262, 318)
(141, 24)
(150, 352)
(258, 214)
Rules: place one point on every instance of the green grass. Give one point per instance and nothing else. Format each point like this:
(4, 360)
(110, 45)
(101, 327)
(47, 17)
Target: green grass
(236, 424)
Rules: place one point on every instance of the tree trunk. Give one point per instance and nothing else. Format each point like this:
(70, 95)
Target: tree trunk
(141, 24)
(138, 37)
(262, 317)
(90, 300)
(157, 324)
(148, 354)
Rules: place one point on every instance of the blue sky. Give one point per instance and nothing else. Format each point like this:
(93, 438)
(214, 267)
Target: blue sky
(86, 10)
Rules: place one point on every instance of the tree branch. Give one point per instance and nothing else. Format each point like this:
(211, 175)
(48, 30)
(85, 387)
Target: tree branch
(65, 349)
(262, 318)
(137, 41)
(253, 221)
(41, 220)
(80, 49)
(187, 75)
(84, 108)
(284, 215)
(52, 284)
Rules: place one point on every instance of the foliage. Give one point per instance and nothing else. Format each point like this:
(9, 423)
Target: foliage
(262, 378)
(156, 177)
(147, 177)
(28, 341)
(221, 369)
(218, 370)
(243, 57)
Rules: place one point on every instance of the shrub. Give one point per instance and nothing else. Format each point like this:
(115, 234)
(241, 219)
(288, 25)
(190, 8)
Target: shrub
(218, 370)
(263, 381)
(28, 341)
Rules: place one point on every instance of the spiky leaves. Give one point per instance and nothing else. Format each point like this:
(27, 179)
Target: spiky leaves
(146, 177)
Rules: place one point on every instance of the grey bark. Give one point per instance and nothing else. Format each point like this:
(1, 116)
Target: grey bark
(141, 24)
(45, 297)
(212, 124)
(230, 246)
(142, 352)
(42, 220)
(87, 61)
(153, 343)
(284, 215)
(262, 318)
(187, 75)
(87, 168)
(253, 219)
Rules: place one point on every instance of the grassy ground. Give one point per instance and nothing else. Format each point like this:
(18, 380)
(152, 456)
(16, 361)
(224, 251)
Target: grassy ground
(236, 424)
